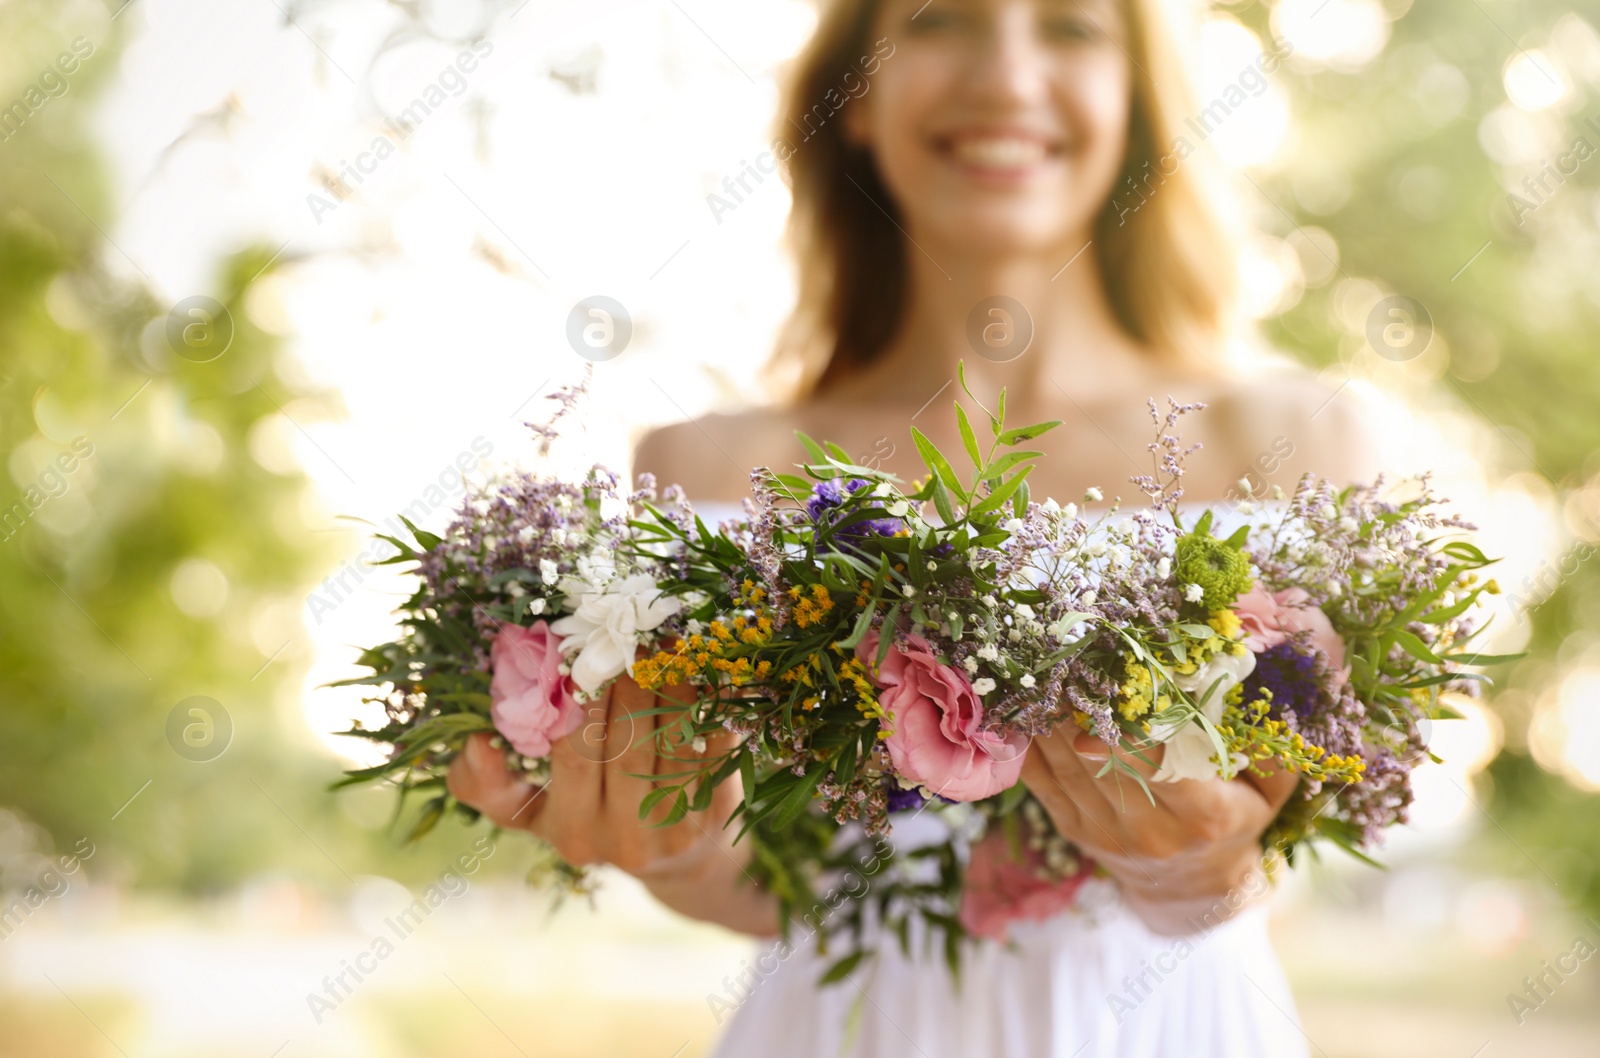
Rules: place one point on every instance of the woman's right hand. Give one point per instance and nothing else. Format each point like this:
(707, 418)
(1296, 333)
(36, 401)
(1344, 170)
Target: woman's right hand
(589, 810)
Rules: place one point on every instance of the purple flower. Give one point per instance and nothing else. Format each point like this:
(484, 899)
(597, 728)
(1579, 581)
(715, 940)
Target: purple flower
(1291, 676)
(828, 496)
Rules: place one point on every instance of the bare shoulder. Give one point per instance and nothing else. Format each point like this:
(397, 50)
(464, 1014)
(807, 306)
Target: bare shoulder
(1284, 408)
(711, 457)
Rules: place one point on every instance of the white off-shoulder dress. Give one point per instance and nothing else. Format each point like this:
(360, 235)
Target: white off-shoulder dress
(1093, 982)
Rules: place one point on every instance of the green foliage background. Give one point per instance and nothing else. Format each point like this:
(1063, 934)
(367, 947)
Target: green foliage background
(94, 651)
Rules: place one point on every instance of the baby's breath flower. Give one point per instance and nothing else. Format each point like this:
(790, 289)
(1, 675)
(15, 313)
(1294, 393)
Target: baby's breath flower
(982, 686)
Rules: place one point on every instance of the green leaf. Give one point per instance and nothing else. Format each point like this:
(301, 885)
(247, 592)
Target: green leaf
(843, 968)
(937, 462)
(428, 540)
(794, 803)
(998, 497)
(813, 449)
(968, 438)
(1005, 463)
(1415, 647)
(747, 772)
(1028, 433)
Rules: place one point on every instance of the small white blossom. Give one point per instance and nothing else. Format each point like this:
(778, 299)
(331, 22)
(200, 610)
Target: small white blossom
(515, 590)
(536, 606)
(989, 652)
(1051, 506)
(1277, 492)
(1013, 525)
(1245, 486)
(932, 566)
(908, 591)
(1014, 636)
(694, 627)
(548, 571)
(1247, 507)
(526, 534)
(1193, 593)
(1027, 679)
(1089, 598)
(971, 665)
(982, 686)
(699, 744)
(1164, 568)
(1093, 494)
(1070, 510)
(1024, 611)
(989, 601)
(1328, 511)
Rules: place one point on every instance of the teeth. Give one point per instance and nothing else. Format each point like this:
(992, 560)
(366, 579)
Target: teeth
(1000, 152)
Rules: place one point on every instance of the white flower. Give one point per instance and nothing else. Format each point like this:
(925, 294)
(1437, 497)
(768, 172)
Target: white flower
(989, 652)
(1088, 598)
(548, 571)
(1027, 679)
(908, 591)
(1024, 611)
(1246, 507)
(1193, 593)
(515, 590)
(1188, 748)
(699, 744)
(932, 566)
(1070, 510)
(1245, 486)
(526, 534)
(1014, 636)
(988, 600)
(971, 665)
(1051, 505)
(1093, 494)
(605, 627)
(1164, 568)
(694, 627)
(536, 606)
(1013, 525)
(1328, 511)
(982, 686)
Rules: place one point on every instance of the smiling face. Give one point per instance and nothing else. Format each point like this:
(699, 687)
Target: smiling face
(999, 126)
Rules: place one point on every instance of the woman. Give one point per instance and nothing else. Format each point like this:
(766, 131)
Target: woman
(945, 154)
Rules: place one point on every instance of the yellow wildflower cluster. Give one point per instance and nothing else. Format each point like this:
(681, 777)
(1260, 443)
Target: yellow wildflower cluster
(809, 609)
(852, 674)
(1136, 695)
(718, 651)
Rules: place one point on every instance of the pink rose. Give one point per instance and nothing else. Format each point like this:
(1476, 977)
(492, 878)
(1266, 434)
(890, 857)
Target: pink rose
(532, 703)
(1269, 619)
(937, 719)
(1000, 889)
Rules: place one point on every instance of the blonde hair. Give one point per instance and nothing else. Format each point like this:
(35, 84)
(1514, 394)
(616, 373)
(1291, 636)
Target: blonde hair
(1168, 266)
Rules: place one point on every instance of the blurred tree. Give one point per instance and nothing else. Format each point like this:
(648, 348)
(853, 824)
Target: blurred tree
(1459, 166)
(148, 557)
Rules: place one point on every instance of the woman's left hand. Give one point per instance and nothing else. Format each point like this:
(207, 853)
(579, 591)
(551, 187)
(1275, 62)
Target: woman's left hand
(1183, 863)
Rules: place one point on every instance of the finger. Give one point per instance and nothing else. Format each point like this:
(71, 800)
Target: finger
(1058, 804)
(479, 777)
(630, 747)
(575, 779)
(1072, 779)
(1276, 785)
